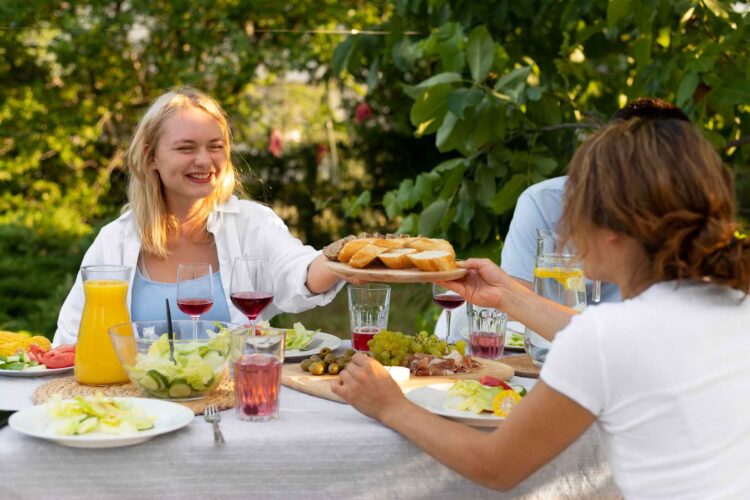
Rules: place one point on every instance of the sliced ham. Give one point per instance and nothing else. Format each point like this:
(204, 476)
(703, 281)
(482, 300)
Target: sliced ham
(421, 364)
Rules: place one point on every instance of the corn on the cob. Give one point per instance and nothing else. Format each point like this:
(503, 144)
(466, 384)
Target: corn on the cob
(11, 343)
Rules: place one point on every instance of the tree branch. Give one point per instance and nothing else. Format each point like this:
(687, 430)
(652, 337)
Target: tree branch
(738, 142)
(583, 125)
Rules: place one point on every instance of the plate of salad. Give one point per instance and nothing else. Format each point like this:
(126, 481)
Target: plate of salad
(101, 422)
(469, 401)
(298, 337)
(23, 365)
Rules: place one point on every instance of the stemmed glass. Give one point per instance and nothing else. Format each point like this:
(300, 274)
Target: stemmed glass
(248, 289)
(195, 291)
(448, 300)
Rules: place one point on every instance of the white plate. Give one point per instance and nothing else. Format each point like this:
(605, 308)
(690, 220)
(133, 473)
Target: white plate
(34, 373)
(37, 422)
(513, 327)
(330, 341)
(432, 398)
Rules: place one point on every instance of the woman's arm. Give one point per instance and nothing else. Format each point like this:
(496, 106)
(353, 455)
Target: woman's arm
(485, 284)
(539, 428)
(319, 278)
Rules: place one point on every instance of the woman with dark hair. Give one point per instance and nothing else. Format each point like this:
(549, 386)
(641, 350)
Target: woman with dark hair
(663, 374)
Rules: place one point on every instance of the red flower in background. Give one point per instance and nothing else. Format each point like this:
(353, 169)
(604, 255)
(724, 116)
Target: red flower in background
(274, 143)
(362, 113)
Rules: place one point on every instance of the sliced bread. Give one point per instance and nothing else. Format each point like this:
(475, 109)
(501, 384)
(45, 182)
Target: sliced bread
(366, 255)
(433, 260)
(397, 258)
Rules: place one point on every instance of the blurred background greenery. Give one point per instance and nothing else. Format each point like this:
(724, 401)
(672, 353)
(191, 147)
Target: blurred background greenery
(422, 116)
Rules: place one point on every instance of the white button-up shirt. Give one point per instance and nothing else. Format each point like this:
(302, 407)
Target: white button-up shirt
(240, 227)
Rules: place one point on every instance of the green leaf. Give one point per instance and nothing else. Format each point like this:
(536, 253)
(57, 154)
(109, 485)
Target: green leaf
(687, 88)
(409, 224)
(465, 205)
(617, 10)
(403, 196)
(430, 218)
(342, 54)
(480, 51)
(485, 181)
(716, 8)
(451, 182)
(460, 99)
(543, 165)
(481, 225)
(505, 199)
(512, 84)
(372, 76)
(732, 93)
(429, 109)
(390, 204)
(451, 133)
(449, 164)
(414, 91)
(353, 206)
(481, 130)
(642, 50)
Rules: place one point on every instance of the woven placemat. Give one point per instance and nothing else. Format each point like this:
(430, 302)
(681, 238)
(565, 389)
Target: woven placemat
(522, 365)
(67, 387)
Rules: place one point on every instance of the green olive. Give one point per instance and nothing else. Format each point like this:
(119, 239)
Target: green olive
(330, 358)
(349, 353)
(318, 368)
(334, 368)
(324, 352)
(314, 358)
(305, 365)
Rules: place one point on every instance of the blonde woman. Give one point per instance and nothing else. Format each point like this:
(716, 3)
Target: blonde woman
(182, 208)
(664, 374)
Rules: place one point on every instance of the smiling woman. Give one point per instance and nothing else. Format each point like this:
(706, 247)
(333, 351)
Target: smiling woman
(182, 209)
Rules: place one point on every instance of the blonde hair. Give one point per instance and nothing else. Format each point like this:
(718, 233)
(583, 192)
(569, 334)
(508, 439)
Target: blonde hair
(145, 190)
(661, 183)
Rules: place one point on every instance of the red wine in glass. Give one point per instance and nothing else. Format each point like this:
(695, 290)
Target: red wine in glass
(195, 307)
(448, 300)
(251, 303)
(256, 379)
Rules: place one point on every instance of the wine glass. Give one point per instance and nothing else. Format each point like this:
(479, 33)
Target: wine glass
(195, 290)
(248, 289)
(448, 300)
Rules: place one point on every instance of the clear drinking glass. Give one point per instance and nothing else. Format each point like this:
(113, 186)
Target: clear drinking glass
(249, 292)
(195, 290)
(368, 312)
(448, 300)
(486, 331)
(257, 376)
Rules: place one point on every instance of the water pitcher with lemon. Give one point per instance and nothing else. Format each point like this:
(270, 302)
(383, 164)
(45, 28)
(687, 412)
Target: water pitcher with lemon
(105, 290)
(558, 276)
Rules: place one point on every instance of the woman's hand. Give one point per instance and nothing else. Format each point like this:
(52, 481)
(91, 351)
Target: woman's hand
(366, 385)
(485, 284)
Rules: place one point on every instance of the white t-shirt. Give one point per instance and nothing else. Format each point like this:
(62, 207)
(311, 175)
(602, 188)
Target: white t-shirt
(667, 374)
(240, 227)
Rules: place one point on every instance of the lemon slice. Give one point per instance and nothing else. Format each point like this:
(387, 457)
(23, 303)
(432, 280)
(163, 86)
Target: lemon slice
(571, 279)
(504, 402)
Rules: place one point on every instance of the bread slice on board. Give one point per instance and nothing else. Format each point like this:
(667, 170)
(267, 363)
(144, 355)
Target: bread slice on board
(433, 260)
(427, 244)
(366, 255)
(352, 247)
(397, 258)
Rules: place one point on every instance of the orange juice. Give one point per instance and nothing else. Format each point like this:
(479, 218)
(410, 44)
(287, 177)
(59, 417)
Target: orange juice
(105, 306)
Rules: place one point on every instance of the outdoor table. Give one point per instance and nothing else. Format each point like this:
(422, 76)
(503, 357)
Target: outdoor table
(315, 449)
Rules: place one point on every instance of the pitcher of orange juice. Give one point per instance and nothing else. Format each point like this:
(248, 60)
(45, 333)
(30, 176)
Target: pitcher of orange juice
(105, 289)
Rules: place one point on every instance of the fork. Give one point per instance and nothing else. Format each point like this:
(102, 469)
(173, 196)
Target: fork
(314, 342)
(212, 416)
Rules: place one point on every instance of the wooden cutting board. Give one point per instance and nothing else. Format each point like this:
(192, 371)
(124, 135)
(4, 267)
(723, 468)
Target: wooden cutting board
(384, 275)
(294, 377)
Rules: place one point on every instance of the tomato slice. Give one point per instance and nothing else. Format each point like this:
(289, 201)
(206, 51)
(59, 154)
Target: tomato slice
(491, 381)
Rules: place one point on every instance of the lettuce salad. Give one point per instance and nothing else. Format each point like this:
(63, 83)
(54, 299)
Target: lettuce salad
(85, 415)
(197, 369)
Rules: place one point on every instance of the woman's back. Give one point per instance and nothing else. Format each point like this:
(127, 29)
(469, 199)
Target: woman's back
(667, 375)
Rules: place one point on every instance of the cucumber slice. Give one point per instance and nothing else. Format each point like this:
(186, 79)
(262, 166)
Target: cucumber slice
(160, 380)
(521, 390)
(179, 389)
(149, 383)
(16, 365)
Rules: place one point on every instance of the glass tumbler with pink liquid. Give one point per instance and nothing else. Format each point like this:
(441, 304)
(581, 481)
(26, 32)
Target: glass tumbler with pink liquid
(486, 331)
(368, 312)
(257, 376)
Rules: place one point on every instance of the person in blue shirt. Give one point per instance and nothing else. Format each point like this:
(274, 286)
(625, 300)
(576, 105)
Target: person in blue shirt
(540, 207)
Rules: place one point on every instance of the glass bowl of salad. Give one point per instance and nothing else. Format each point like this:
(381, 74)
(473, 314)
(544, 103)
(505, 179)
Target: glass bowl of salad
(182, 368)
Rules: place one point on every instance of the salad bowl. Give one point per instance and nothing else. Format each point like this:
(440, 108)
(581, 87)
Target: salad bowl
(183, 367)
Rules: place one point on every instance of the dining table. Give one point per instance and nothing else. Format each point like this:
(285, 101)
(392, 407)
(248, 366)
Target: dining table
(316, 448)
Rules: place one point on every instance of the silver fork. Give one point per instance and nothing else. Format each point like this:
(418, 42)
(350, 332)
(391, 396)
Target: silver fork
(314, 342)
(212, 416)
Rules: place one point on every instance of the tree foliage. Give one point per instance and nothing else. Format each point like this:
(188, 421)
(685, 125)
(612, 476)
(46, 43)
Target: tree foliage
(507, 90)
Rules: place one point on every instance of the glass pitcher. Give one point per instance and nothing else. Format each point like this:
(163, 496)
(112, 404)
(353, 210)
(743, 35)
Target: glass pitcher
(558, 276)
(105, 289)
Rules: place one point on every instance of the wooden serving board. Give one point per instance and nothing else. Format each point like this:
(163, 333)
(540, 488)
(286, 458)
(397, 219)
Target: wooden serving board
(384, 275)
(294, 377)
(522, 365)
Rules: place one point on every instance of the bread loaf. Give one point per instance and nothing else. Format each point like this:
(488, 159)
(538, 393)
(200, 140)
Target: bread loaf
(352, 247)
(433, 260)
(427, 244)
(397, 258)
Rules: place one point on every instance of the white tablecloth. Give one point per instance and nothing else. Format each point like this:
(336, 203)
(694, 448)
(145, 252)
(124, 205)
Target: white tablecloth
(315, 449)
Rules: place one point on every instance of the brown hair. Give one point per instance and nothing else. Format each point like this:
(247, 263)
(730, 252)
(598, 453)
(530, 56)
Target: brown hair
(661, 183)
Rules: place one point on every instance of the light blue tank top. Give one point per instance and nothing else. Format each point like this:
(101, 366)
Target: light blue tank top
(147, 302)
